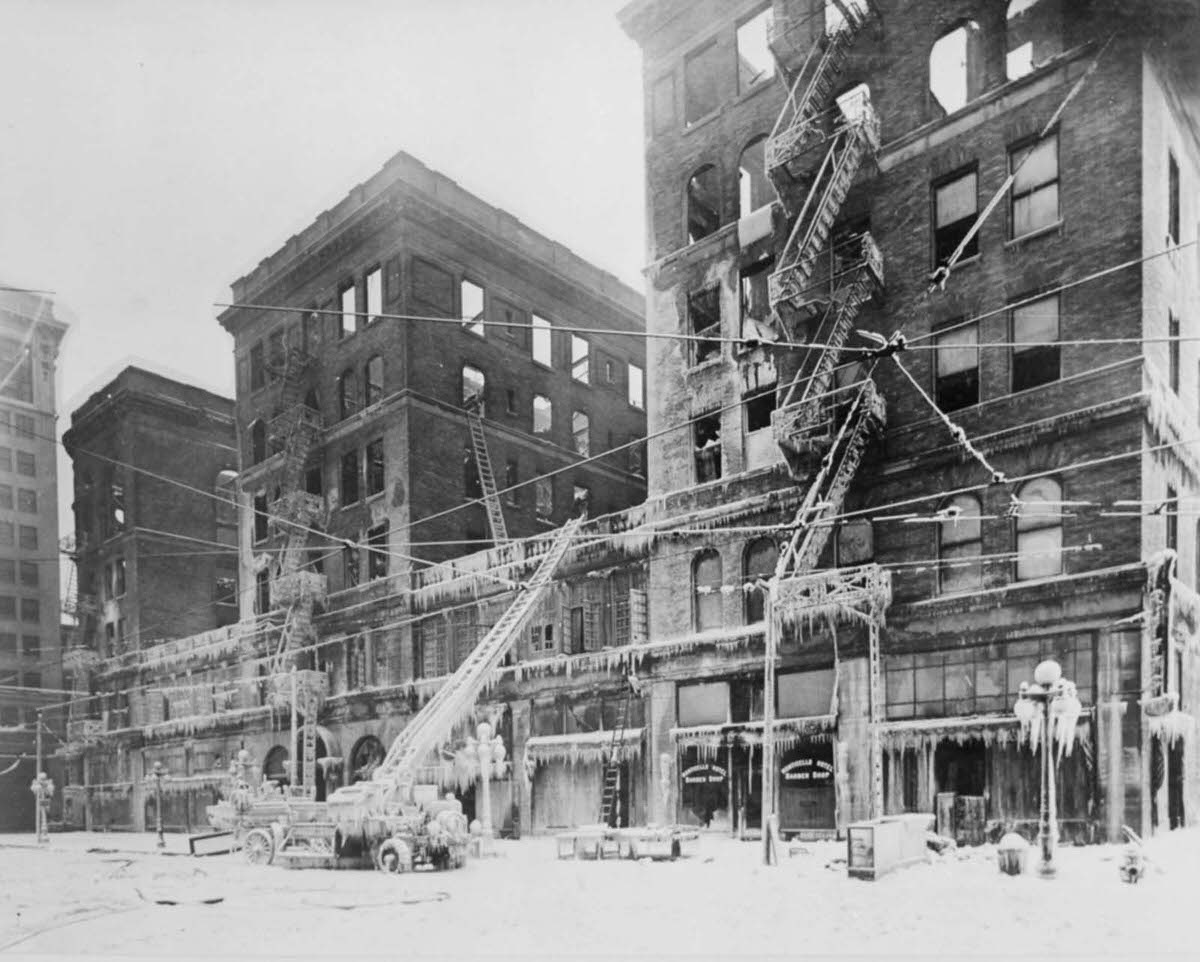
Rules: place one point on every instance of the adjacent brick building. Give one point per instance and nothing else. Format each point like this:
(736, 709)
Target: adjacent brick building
(31, 670)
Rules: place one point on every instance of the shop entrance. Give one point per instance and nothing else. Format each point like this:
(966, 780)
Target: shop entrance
(807, 798)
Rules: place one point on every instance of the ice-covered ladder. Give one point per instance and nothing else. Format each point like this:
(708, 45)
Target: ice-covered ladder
(487, 479)
(611, 790)
(435, 722)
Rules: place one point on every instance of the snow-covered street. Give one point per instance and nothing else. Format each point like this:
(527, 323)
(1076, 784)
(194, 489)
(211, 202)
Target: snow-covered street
(102, 894)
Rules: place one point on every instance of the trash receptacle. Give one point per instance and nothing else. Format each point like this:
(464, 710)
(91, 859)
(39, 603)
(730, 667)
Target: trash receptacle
(1011, 854)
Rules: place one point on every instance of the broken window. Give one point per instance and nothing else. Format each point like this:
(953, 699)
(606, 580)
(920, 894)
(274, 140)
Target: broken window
(350, 492)
(375, 467)
(261, 529)
(755, 63)
(706, 591)
(1170, 510)
(662, 104)
(313, 481)
(350, 570)
(472, 487)
(258, 441)
(635, 385)
(956, 68)
(758, 563)
(704, 321)
(957, 366)
(1033, 35)
(473, 385)
(1039, 529)
(373, 284)
(580, 498)
(758, 408)
(702, 71)
(854, 543)
(347, 393)
(346, 301)
(706, 433)
(960, 545)
(377, 551)
(543, 492)
(275, 355)
(703, 203)
(1173, 352)
(754, 190)
(258, 369)
(543, 414)
(753, 301)
(1035, 353)
(1172, 199)
(580, 359)
(27, 501)
(542, 341)
(472, 307)
(1034, 195)
(374, 379)
(433, 288)
(580, 433)
(955, 203)
(116, 502)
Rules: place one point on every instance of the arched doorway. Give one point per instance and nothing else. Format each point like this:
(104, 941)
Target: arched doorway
(275, 767)
(365, 757)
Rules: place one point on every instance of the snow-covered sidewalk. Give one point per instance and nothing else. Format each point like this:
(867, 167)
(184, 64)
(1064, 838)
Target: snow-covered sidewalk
(126, 899)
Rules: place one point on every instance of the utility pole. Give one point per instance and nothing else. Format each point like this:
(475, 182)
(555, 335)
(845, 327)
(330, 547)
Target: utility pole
(296, 771)
(768, 743)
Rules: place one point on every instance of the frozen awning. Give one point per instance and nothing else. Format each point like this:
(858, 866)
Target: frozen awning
(586, 748)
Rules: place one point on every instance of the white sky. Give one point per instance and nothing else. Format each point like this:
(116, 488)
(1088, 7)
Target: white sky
(152, 151)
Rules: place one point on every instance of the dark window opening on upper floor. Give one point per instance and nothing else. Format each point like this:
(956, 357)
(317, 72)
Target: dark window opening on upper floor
(581, 433)
(261, 529)
(1033, 35)
(702, 70)
(1036, 353)
(347, 394)
(350, 566)
(704, 323)
(1170, 511)
(373, 289)
(347, 295)
(1172, 199)
(956, 381)
(258, 369)
(956, 68)
(473, 386)
(753, 298)
(511, 480)
(349, 477)
(258, 441)
(955, 203)
(472, 487)
(510, 400)
(377, 551)
(376, 472)
(374, 381)
(635, 386)
(706, 436)
(543, 495)
(703, 203)
(1173, 352)
(759, 407)
(313, 481)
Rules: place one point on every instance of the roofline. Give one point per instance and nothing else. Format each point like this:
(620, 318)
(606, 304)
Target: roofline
(119, 384)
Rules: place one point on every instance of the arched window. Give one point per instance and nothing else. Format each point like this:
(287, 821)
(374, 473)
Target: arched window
(1033, 35)
(758, 562)
(374, 380)
(706, 590)
(956, 67)
(258, 441)
(365, 758)
(347, 394)
(703, 203)
(754, 190)
(960, 544)
(276, 767)
(225, 490)
(1039, 530)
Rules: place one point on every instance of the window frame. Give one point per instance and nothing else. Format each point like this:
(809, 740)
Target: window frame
(972, 250)
(1054, 523)
(349, 459)
(1032, 353)
(540, 325)
(954, 328)
(344, 330)
(475, 325)
(1027, 147)
(702, 345)
(944, 586)
(581, 375)
(767, 75)
(702, 602)
(693, 55)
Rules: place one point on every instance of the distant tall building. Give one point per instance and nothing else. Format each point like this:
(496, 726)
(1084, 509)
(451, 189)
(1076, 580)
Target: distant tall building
(30, 643)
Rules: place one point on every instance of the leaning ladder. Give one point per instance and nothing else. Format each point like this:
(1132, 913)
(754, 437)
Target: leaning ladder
(610, 794)
(487, 479)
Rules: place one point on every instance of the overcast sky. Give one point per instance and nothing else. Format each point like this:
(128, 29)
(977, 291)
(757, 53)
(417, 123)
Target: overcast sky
(154, 150)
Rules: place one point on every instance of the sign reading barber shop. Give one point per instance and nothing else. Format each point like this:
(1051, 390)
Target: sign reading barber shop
(703, 774)
(808, 770)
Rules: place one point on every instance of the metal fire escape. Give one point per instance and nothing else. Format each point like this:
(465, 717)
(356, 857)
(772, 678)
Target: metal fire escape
(823, 422)
(487, 478)
(295, 430)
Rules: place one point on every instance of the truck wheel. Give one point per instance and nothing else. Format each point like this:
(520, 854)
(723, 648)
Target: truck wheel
(394, 856)
(259, 847)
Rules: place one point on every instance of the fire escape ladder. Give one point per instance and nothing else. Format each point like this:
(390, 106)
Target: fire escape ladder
(435, 722)
(611, 791)
(487, 479)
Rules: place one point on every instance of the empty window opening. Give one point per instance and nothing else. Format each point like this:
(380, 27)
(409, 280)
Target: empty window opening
(376, 472)
(374, 380)
(543, 414)
(350, 566)
(472, 307)
(706, 434)
(1033, 35)
(702, 71)
(758, 408)
(262, 592)
(703, 203)
(543, 490)
(377, 551)
(473, 385)
(512, 478)
(956, 68)
(373, 284)
(1172, 199)
(347, 394)
(854, 543)
(261, 528)
(754, 190)
(637, 457)
(346, 300)
(704, 321)
(258, 442)
(706, 591)
(1170, 512)
(753, 300)
(580, 359)
(758, 565)
(313, 481)
(960, 545)
(580, 499)
(1039, 530)
(635, 384)
(1173, 352)
(955, 203)
(1036, 353)
(542, 343)
(1035, 186)
(581, 433)
(349, 474)
(957, 379)
(755, 63)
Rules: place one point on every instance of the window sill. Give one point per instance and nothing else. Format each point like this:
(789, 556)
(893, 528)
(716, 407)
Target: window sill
(1055, 228)
(764, 83)
(706, 365)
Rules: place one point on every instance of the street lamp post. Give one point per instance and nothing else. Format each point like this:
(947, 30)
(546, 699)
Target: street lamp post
(43, 790)
(1048, 710)
(159, 772)
(490, 752)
